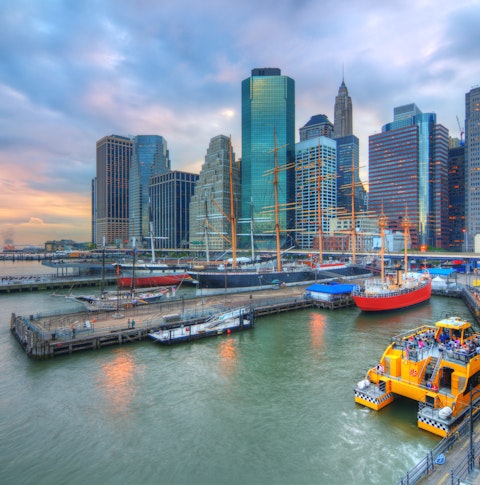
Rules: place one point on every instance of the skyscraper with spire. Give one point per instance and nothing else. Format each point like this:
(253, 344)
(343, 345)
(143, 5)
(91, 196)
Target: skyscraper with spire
(343, 116)
(348, 150)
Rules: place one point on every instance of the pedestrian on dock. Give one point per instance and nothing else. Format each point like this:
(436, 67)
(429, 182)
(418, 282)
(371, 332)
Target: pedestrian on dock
(133, 323)
(129, 323)
(73, 330)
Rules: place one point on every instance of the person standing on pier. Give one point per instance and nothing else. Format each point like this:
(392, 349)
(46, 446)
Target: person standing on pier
(73, 330)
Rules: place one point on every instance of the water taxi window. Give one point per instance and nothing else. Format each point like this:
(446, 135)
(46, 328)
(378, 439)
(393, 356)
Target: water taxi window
(468, 332)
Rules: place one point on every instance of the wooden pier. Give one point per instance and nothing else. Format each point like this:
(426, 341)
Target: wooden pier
(52, 283)
(47, 336)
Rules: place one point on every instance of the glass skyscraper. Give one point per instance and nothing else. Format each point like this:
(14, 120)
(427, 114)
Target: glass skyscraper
(268, 108)
(408, 171)
(472, 155)
(170, 195)
(149, 157)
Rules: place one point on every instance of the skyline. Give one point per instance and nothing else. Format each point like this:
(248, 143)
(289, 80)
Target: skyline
(72, 73)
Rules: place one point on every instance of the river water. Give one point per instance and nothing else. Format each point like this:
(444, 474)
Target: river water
(273, 405)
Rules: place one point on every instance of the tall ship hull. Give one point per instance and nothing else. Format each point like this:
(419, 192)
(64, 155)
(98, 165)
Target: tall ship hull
(236, 281)
(150, 275)
(382, 297)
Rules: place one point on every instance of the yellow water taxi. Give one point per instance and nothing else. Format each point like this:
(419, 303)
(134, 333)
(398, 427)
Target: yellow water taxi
(438, 366)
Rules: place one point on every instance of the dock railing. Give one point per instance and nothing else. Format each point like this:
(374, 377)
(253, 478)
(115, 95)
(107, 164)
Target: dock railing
(427, 465)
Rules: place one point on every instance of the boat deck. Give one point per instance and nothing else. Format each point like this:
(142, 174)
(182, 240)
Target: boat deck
(428, 414)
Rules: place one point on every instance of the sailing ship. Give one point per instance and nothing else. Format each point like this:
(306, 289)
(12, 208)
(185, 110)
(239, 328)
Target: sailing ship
(111, 301)
(149, 274)
(438, 366)
(114, 301)
(255, 275)
(139, 274)
(394, 291)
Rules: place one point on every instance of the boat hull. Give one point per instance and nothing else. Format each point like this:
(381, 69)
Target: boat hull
(217, 282)
(147, 276)
(152, 280)
(226, 323)
(393, 300)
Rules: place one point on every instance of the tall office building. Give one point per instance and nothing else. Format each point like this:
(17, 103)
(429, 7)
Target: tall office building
(348, 176)
(268, 107)
(315, 189)
(209, 206)
(343, 113)
(170, 195)
(94, 209)
(318, 125)
(472, 155)
(149, 157)
(113, 163)
(456, 199)
(408, 170)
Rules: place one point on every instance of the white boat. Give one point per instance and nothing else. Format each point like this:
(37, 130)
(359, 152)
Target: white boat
(224, 323)
(116, 301)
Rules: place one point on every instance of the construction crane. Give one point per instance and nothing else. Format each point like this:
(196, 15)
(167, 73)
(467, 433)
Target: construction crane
(462, 131)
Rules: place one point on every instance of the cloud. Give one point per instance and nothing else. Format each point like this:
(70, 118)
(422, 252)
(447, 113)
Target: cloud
(174, 68)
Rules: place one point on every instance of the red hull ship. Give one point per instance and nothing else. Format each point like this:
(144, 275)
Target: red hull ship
(393, 292)
(150, 275)
(381, 297)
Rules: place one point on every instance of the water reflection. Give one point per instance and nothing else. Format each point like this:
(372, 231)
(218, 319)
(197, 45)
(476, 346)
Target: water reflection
(117, 382)
(414, 316)
(228, 356)
(317, 324)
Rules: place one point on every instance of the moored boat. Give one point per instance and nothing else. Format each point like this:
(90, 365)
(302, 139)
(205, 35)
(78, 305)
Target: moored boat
(223, 323)
(378, 295)
(115, 301)
(255, 277)
(394, 291)
(438, 366)
(144, 275)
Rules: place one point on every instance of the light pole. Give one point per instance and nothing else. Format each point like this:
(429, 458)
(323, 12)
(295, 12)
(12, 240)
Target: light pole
(471, 458)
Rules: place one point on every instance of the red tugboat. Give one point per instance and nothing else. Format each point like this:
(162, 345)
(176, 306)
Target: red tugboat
(393, 292)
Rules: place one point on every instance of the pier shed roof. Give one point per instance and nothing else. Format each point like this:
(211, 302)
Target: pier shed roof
(335, 289)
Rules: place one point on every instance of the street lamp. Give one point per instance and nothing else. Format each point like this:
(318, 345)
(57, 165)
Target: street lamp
(471, 459)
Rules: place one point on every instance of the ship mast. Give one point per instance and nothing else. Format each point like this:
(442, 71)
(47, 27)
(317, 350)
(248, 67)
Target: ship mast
(382, 224)
(233, 220)
(275, 192)
(354, 232)
(406, 238)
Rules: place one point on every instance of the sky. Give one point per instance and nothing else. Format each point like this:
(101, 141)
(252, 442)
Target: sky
(72, 72)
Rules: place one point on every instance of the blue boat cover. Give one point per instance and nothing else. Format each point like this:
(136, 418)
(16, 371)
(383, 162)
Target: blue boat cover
(440, 271)
(335, 289)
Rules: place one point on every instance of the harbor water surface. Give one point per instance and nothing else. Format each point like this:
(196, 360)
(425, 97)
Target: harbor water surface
(272, 405)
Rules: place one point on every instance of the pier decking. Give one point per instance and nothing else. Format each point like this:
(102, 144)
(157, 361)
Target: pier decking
(47, 336)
